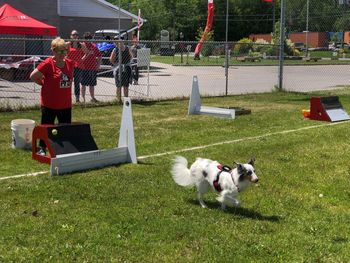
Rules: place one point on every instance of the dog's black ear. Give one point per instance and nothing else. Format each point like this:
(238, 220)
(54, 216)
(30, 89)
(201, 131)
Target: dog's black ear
(252, 161)
(240, 168)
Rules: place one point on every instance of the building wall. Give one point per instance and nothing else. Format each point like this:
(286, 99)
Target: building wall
(46, 11)
(314, 39)
(83, 24)
(347, 37)
(87, 8)
(266, 37)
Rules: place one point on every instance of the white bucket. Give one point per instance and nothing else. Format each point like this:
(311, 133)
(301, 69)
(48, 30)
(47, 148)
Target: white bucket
(22, 130)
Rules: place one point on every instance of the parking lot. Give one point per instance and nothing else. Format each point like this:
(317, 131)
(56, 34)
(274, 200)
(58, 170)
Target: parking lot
(167, 81)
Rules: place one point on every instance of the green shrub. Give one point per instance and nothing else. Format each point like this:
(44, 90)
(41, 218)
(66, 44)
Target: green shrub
(243, 46)
(261, 46)
(272, 51)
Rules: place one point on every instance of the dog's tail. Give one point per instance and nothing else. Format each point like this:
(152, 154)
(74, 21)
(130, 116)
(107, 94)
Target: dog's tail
(181, 174)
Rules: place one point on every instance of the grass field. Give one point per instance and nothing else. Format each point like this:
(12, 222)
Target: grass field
(299, 212)
(210, 61)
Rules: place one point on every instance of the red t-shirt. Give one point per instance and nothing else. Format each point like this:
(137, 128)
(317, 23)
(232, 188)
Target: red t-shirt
(57, 84)
(90, 62)
(76, 54)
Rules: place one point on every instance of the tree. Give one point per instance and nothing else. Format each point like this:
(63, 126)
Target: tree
(245, 17)
(322, 15)
(174, 16)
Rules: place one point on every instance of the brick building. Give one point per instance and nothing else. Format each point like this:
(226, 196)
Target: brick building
(314, 39)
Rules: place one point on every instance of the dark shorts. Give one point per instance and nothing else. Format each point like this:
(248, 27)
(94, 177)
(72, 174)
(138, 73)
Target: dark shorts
(77, 75)
(48, 116)
(77, 81)
(89, 77)
(125, 78)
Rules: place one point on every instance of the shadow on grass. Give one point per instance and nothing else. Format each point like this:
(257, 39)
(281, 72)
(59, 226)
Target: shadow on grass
(143, 162)
(239, 211)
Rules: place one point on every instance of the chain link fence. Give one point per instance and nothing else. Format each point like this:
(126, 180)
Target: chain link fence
(320, 30)
(167, 68)
(166, 73)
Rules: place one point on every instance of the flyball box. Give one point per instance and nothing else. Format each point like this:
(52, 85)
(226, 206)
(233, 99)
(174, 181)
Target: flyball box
(327, 109)
(63, 139)
(72, 148)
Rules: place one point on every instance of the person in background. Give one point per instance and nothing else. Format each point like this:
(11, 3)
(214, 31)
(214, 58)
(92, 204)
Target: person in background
(55, 76)
(76, 53)
(135, 70)
(125, 68)
(91, 64)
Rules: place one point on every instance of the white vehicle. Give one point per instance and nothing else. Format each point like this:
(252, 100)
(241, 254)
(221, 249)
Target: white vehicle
(109, 34)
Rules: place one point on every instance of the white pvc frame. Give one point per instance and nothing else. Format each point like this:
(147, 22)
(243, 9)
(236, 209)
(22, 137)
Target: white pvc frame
(124, 153)
(195, 105)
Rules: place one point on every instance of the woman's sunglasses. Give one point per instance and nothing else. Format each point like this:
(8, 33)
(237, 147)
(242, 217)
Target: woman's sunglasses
(61, 51)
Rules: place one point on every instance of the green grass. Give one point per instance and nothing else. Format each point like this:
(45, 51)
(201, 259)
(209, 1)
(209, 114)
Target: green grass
(210, 61)
(327, 54)
(136, 213)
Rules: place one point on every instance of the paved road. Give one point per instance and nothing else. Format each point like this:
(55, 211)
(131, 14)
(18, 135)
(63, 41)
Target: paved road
(167, 81)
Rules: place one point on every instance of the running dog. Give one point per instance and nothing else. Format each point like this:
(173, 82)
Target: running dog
(206, 174)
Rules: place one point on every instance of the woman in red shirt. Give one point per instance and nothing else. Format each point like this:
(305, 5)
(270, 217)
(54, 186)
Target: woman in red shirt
(91, 64)
(76, 53)
(55, 75)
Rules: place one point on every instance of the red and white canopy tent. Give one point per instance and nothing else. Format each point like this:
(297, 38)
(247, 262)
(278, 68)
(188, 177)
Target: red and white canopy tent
(14, 22)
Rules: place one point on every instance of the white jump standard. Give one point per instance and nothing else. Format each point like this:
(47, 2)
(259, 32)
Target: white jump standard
(195, 105)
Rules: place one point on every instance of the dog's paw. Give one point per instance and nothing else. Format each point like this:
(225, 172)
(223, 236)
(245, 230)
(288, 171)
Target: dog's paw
(236, 203)
(220, 199)
(223, 207)
(203, 205)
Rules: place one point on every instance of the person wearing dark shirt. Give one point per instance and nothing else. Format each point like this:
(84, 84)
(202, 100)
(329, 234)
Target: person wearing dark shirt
(122, 74)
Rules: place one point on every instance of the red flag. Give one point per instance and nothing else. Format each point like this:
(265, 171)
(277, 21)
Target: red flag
(268, 1)
(207, 29)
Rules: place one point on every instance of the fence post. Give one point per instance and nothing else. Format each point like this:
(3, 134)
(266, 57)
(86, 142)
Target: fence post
(281, 46)
(226, 51)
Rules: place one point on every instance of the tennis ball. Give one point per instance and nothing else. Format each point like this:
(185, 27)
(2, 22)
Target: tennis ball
(54, 132)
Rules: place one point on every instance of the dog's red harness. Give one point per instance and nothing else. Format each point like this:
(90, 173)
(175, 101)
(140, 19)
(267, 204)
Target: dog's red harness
(222, 168)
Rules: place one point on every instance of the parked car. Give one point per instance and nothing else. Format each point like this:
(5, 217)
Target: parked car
(337, 46)
(300, 46)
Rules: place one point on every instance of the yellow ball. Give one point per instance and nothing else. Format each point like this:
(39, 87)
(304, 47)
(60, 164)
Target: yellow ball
(54, 132)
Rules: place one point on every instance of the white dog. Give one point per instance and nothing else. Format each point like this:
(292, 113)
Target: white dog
(205, 173)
